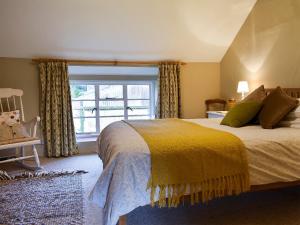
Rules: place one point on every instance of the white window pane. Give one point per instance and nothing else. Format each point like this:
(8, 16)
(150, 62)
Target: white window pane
(111, 105)
(79, 92)
(138, 91)
(108, 120)
(111, 108)
(83, 104)
(83, 108)
(139, 107)
(112, 112)
(111, 91)
(83, 113)
(138, 117)
(139, 112)
(85, 125)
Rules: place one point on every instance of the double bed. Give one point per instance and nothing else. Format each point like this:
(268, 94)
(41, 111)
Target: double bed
(273, 161)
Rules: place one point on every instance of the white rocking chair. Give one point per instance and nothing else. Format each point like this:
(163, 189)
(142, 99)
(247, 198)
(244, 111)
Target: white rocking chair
(8, 101)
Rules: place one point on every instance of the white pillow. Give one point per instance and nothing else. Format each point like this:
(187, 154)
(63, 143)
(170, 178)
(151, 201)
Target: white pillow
(292, 119)
(290, 123)
(10, 118)
(14, 131)
(292, 116)
(297, 109)
(5, 132)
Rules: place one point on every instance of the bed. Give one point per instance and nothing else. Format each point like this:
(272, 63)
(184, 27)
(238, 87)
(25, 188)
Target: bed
(273, 160)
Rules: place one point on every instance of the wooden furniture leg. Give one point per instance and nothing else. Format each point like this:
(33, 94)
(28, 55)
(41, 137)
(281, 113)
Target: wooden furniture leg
(22, 152)
(36, 159)
(122, 220)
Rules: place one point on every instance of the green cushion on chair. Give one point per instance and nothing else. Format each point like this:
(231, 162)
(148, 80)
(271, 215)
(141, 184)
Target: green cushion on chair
(241, 114)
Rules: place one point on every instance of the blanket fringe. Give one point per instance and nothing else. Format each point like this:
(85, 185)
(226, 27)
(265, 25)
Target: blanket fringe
(5, 176)
(172, 195)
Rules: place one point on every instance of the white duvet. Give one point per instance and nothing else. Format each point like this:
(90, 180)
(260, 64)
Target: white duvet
(273, 156)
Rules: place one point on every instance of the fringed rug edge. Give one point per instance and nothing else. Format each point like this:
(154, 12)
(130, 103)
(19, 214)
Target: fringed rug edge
(4, 176)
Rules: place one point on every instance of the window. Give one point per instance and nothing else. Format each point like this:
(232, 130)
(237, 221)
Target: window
(97, 104)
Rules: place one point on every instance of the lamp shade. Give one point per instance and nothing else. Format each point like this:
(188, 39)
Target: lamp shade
(243, 87)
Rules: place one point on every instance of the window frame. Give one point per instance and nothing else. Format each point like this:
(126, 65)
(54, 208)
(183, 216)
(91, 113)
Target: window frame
(124, 83)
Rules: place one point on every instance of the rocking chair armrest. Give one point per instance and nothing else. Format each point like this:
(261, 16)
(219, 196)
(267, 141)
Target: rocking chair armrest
(32, 126)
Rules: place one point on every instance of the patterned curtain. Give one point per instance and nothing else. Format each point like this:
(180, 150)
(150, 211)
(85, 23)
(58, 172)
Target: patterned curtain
(168, 100)
(56, 110)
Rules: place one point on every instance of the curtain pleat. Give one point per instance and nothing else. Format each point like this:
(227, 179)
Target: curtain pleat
(56, 110)
(168, 100)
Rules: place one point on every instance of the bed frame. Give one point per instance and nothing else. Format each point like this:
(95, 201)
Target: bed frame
(293, 92)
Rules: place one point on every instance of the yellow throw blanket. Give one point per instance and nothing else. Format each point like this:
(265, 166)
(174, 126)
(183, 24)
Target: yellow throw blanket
(189, 158)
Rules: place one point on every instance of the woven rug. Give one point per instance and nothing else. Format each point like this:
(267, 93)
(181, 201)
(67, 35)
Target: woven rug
(47, 198)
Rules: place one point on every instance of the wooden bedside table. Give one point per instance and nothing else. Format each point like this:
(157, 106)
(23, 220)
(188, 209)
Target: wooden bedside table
(216, 114)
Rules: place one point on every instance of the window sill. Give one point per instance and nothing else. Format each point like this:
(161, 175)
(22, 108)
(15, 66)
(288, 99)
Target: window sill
(86, 139)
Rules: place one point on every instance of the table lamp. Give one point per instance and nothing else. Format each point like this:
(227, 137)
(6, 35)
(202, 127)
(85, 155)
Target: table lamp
(243, 88)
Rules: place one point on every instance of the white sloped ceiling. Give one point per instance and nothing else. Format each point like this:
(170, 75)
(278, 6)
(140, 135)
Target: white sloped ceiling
(190, 30)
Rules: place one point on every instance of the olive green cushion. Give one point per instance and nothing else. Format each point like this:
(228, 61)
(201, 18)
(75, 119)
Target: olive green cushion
(241, 114)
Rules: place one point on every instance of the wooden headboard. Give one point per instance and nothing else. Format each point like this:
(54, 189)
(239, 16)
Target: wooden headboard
(293, 92)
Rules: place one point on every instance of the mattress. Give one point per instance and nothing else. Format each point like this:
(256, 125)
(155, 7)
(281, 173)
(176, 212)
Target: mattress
(273, 156)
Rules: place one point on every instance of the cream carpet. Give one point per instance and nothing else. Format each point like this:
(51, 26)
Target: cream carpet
(277, 207)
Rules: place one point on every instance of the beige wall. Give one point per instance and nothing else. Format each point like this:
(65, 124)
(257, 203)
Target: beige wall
(22, 74)
(199, 81)
(266, 49)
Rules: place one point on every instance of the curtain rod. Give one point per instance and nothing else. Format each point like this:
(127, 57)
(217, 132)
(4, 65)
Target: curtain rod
(105, 62)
